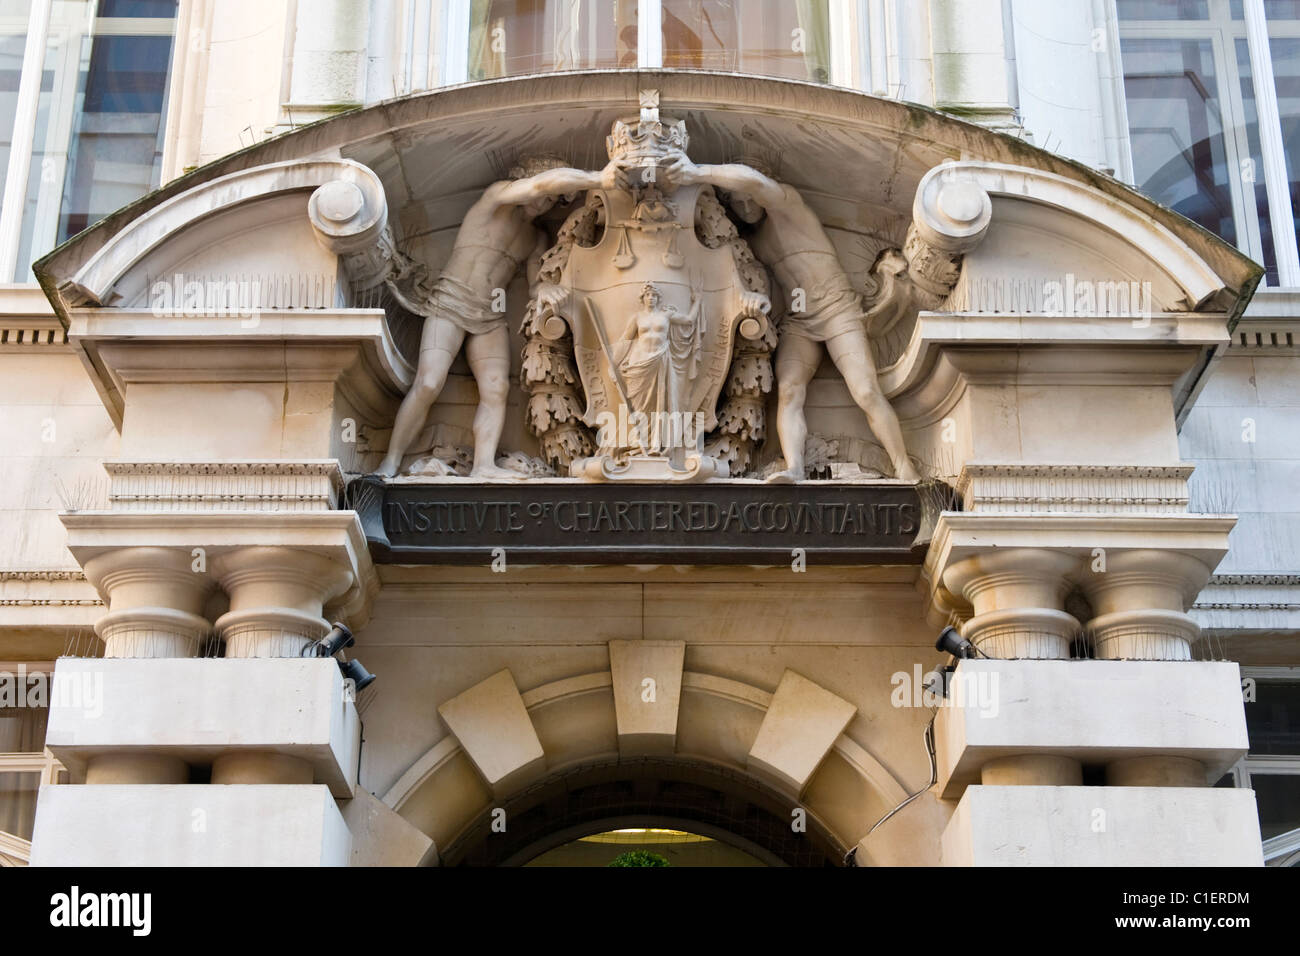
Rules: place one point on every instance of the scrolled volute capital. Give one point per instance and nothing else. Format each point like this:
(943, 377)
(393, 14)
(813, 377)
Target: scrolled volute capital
(349, 217)
(950, 215)
(951, 211)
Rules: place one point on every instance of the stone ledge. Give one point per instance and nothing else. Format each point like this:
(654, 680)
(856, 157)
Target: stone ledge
(1094, 711)
(243, 485)
(353, 348)
(1073, 489)
(189, 825)
(200, 708)
(1103, 826)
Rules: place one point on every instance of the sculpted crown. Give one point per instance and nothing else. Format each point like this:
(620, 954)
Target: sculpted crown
(639, 142)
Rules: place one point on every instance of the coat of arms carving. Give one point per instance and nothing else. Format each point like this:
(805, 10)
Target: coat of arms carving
(654, 315)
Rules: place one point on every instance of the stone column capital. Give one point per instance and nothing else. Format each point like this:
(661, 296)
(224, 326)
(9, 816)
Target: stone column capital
(1017, 595)
(1171, 577)
(1140, 598)
(155, 597)
(277, 598)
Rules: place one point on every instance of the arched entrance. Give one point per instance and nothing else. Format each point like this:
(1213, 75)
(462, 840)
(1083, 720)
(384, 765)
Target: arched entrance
(641, 792)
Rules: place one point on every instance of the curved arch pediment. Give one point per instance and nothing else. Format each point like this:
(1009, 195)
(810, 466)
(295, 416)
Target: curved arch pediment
(1112, 231)
(200, 215)
(857, 159)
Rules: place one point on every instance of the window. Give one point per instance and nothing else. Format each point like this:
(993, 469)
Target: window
(87, 119)
(1180, 153)
(767, 37)
(1272, 767)
(509, 37)
(1199, 143)
(13, 36)
(784, 38)
(24, 764)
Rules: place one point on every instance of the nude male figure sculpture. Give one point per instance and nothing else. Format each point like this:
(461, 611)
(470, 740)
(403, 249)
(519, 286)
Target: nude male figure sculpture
(496, 237)
(791, 240)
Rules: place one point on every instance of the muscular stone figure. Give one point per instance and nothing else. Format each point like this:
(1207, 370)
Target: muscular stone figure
(495, 238)
(793, 243)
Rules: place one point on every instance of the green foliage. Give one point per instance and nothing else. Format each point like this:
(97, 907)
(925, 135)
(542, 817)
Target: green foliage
(639, 858)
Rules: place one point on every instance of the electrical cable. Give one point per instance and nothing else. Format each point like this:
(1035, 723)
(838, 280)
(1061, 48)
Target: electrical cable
(928, 737)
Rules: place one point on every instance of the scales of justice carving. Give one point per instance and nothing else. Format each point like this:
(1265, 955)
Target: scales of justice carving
(651, 344)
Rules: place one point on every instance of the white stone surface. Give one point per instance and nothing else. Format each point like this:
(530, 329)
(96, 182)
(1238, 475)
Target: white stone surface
(1103, 826)
(970, 57)
(798, 730)
(382, 838)
(200, 708)
(241, 69)
(329, 55)
(1095, 711)
(189, 825)
(492, 725)
(646, 712)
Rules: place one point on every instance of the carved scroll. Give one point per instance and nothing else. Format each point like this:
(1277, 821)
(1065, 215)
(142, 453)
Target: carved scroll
(950, 215)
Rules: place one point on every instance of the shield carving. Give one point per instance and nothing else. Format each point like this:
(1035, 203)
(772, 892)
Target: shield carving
(654, 314)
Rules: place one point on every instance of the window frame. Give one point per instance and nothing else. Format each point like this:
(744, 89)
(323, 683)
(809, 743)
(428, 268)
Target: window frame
(13, 200)
(42, 763)
(40, 35)
(1279, 849)
(1223, 32)
(851, 64)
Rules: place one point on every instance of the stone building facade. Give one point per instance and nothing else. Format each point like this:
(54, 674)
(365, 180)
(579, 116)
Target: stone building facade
(1055, 253)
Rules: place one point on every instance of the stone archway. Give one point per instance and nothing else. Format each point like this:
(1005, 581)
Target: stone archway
(560, 759)
(727, 806)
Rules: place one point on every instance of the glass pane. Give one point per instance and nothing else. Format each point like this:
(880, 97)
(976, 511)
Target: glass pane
(510, 37)
(1252, 172)
(116, 152)
(100, 118)
(18, 803)
(767, 37)
(13, 37)
(1286, 77)
(1163, 9)
(1278, 799)
(1281, 10)
(137, 8)
(22, 729)
(69, 24)
(1176, 127)
(1273, 718)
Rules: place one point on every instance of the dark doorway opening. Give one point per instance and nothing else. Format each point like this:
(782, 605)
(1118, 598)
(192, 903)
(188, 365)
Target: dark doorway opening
(667, 793)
